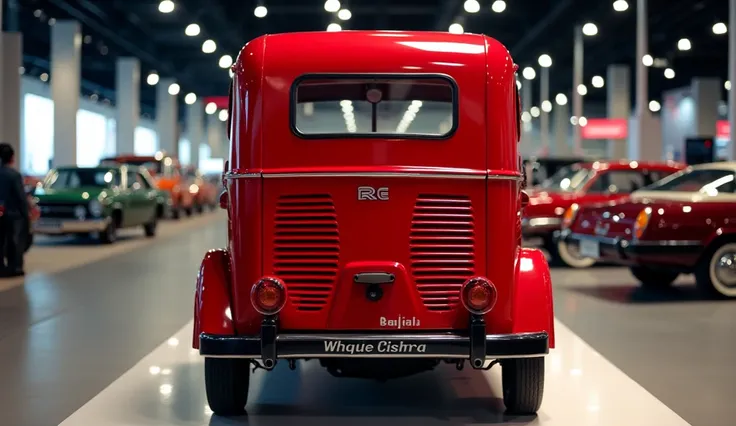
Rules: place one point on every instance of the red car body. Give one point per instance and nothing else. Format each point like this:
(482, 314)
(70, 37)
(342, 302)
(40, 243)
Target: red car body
(591, 182)
(683, 224)
(367, 246)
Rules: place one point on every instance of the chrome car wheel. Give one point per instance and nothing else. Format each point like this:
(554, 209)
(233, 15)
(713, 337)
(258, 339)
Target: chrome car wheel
(722, 270)
(570, 256)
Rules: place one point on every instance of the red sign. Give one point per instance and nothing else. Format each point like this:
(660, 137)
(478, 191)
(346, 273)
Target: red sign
(605, 128)
(220, 101)
(723, 130)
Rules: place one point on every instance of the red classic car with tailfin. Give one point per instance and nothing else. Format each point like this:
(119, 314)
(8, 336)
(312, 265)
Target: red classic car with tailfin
(579, 184)
(373, 191)
(685, 223)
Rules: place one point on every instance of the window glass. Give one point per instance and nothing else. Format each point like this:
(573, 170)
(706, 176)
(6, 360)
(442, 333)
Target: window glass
(133, 182)
(404, 106)
(82, 178)
(710, 181)
(145, 183)
(567, 179)
(624, 181)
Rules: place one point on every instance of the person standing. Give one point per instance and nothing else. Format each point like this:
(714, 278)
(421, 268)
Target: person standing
(14, 220)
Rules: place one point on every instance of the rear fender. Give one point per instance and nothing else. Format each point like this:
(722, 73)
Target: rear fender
(533, 310)
(212, 308)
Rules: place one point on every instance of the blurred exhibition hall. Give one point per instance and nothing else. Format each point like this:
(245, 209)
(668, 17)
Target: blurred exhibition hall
(367, 212)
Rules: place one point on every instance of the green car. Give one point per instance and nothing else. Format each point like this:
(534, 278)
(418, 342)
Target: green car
(97, 201)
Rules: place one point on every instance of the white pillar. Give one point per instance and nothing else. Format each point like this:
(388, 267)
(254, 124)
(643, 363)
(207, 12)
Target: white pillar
(166, 117)
(66, 61)
(618, 87)
(706, 93)
(528, 143)
(561, 120)
(128, 107)
(195, 130)
(215, 136)
(544, 116)
(732, 75)
(577, 80)
(11, 52)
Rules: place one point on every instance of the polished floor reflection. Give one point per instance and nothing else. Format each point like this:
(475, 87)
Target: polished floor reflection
(166, 388)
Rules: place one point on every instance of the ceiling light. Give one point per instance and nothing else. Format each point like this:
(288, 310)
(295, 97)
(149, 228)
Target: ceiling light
(498, 6)
(209, 46)
(152, 79)
(654, 106)
(582, 90)
(620, 5)
(332, 6)
(590, 29)
(583, 121)
(192, 30)
(545, 61)
(526, 117)
(334, 27)
(44, 77)
(210, 108)
(535, 112)
(456, 29)
(166, 6)
(598, 82)
(669, 73)
(684, 44)
(561, 99)
(344, 14)
(223, 115)
(230, 73)
(260, 11)
(727, 85)
(647, 60)
(574, 120)
(518, 84)
(174, 89)
(471, 6)
(226, 61)
(546, 106)
(720, 28)
(190, 98)
(529, 73)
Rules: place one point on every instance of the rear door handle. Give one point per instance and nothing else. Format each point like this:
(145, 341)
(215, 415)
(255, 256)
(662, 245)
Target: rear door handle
(374, 278)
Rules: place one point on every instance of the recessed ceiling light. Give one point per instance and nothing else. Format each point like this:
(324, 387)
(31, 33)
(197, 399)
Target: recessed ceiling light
(190, 98)
(210, 108)
(344, 14)
(209, 46)
(590, 29)
(546, 106)
(260, 12)
(192, 30)
(456, 29)
(654, 106)
(226, 61)
(720, 28)
(529, 73)
(166, 6)
(223, 116)
(669, 73)
(684, 44)
(598, 82)
(620, 5)
(727, 85)
(583, 122)
(472, 6)
(332, 6)
(561, 99)
(582, 90)
(498, 6)
(174, 89)
(647, 60)
(545, 61)
(152, 79)
(534, 111)
(334, 27)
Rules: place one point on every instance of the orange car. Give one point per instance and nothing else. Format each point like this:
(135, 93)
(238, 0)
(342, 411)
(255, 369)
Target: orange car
(205, 192)
(168, 177)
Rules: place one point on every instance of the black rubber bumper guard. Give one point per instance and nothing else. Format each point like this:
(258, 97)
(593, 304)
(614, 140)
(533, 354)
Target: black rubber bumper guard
(475, 346)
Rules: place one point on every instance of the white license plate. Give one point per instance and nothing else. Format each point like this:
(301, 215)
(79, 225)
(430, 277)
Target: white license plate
(49, 223)
(590, 248)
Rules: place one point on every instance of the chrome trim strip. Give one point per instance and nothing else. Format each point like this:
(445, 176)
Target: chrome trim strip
(634, 243)
(437, 356)
(667, 243)
(374, 175)
(540, 222)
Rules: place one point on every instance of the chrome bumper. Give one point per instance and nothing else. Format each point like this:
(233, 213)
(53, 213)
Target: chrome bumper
(69, 226)
(539, 226)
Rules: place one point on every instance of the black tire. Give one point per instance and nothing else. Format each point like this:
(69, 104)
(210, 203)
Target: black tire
(110, 234)
(189, 211)
(160, 211)
(523, 384)
(654, 278)
(150, 228)
(226, 382)
(176, 213)
(706, 277)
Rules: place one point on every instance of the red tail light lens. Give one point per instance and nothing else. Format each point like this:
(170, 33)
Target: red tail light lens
(268, 296)
(478, 295)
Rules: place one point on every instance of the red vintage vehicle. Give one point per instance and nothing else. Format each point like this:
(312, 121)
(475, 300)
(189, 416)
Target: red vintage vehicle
(383, 243)
(583, 183)
(204, 191)
(685, 223)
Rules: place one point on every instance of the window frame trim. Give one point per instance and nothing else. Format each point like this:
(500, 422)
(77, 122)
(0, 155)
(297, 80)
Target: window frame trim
(352, 76)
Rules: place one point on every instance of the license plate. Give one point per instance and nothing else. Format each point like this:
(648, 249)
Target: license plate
(49, 223)
(590, 248)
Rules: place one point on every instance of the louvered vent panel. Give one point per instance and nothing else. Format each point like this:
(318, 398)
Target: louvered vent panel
(307, 248)
(442, 245)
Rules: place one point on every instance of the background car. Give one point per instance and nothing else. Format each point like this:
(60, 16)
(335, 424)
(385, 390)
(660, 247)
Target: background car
(537, 170)
(682, 224)
(96, 200)
(579, 184)
(204, 191)
(30, 184)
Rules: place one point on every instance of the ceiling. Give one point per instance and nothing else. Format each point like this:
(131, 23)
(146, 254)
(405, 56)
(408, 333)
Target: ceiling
(114, 28)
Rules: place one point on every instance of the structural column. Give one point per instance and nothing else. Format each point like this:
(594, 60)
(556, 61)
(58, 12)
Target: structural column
(732, 76)
(544, 116)
(195, 130)
(66, 61)
(527, 141)
(11, 59)
(166, 117)
(577, 80)
(618, 83)
(128, 90)
(706, 93)
(215, 136)
(561, 120)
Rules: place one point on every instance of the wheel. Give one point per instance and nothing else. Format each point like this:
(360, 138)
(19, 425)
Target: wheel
(150, 228)
(715, 274)
(654, 278)
(200, 208)
(523, 384)
(110, 234)
(160, 211)
(189, 211)
(175, 213)
(569, 256)
(226, 381)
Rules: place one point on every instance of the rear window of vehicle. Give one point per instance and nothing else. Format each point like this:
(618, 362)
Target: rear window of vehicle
(404, 106)
(709, 181)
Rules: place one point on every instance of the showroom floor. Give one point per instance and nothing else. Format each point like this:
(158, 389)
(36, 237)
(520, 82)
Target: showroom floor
(101, 336)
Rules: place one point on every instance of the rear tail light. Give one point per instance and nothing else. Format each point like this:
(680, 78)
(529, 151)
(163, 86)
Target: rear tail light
(478, 295)
(641, 222)
(569, 217)
(268, 296)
